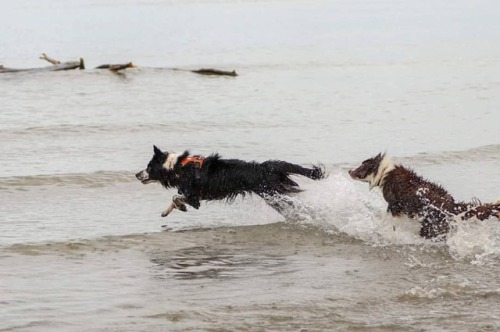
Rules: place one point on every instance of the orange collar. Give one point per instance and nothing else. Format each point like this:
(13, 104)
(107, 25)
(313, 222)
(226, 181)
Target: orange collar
(193, 159)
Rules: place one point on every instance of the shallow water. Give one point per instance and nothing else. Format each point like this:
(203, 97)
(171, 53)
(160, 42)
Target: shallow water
(82, 247)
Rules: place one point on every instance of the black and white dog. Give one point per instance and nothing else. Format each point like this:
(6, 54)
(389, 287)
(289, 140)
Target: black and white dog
(212, 178)
(409, 194)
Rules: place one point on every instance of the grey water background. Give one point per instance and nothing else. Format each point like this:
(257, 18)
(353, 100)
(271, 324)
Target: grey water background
(81, 247)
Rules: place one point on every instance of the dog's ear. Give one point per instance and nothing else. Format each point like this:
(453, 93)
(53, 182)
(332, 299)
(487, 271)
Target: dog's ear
(157, 151)
(380, 156)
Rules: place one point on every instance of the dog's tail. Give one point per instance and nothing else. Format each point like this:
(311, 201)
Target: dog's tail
(317, 172)
(277, 179)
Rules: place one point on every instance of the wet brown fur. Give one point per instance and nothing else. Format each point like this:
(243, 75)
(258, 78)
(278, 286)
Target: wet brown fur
(409, 194)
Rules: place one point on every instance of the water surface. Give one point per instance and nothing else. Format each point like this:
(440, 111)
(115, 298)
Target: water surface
(82, 247)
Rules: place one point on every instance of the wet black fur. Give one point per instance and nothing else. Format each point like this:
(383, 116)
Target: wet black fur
(225, 179)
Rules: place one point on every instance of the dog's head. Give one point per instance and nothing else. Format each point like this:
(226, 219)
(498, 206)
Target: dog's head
(154, 171)
(372, 170)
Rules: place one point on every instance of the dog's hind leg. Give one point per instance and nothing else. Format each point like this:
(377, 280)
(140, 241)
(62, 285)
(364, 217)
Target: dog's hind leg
(277, 202)
(287, 207)
(178, 202)
(315, 173)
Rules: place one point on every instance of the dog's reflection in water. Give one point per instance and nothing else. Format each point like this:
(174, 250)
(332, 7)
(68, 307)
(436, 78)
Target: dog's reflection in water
(202, 262)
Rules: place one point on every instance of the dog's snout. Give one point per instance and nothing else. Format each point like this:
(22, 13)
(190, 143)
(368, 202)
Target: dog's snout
(354, 174)
(142, 175)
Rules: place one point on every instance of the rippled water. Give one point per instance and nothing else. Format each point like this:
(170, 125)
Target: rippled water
(82, 247)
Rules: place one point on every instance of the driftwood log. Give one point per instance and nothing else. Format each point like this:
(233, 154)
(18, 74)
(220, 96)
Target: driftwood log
(210, 71)
(56, 66)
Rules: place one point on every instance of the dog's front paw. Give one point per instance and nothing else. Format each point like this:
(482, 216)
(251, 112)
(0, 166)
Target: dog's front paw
(167, 211)
(182, 208)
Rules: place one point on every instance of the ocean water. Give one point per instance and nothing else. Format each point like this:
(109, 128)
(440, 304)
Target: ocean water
(82, 245)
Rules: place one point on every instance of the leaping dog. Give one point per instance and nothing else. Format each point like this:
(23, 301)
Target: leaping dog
(409, 194)
(213, 178)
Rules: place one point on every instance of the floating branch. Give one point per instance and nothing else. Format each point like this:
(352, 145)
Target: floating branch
(49, 59)
(116, 67)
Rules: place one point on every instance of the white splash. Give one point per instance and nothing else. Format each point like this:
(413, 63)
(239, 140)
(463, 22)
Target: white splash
(343, 205)
(346, 206)
(475, 240)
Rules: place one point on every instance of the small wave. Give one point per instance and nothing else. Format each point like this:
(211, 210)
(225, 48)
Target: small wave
(482, 153)
(79, 129)
(76, 130)
(95, 179)
(445, 287)
(178, 240)
(79, 246)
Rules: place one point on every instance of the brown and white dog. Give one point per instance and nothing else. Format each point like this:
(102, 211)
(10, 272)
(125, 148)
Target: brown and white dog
(409, 194)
